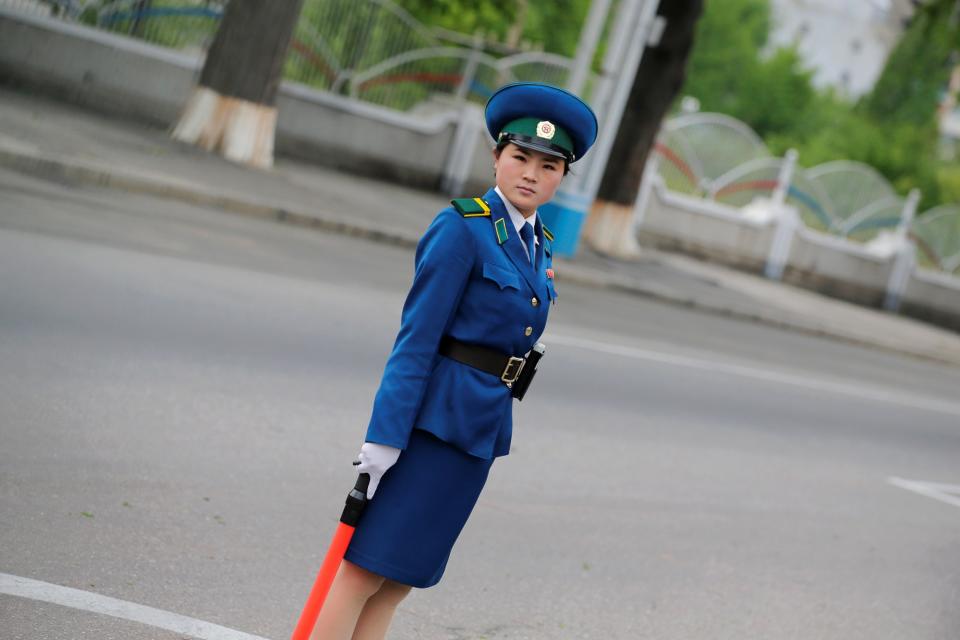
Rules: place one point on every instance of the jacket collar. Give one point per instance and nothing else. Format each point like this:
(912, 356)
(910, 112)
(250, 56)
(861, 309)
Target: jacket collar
(512, 245)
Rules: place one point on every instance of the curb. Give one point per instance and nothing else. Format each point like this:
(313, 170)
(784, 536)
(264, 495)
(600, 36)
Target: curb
(737, 314)
(78, 172)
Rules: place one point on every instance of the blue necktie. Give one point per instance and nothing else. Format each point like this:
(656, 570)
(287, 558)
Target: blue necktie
(526, 232)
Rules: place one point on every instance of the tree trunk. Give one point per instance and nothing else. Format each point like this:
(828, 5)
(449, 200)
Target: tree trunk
(233, 109)
(659, 79)
(140, 8)
(515, 32)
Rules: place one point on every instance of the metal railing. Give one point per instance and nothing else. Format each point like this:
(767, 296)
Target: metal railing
(178, 24)
(720, 158)
(937, 235)
(370, 50)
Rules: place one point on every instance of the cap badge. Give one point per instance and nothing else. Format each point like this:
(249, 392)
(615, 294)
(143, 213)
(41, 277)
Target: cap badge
(546, 129)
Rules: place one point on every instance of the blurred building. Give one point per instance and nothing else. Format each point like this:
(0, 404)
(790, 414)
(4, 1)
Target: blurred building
(845, 42)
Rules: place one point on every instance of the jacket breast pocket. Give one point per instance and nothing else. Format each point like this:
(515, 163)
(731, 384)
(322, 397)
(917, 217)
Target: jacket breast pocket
(502, 277)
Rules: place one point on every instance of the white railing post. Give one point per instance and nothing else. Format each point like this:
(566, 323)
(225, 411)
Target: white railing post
(462, 149)
(587, 46)
(785, 177)
(470, 69)
(788, 221)
(633, 41)
(906, 254)
(650, 176)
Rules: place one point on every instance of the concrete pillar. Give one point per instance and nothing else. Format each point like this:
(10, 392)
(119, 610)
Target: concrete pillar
(463, 148)
(650, 177)
(785, 177)
(587, 47)
(788, 220)
(470, 68)
(906, 256)
(626, 49)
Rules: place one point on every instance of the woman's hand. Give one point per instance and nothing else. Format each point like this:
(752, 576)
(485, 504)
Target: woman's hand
(376, 459)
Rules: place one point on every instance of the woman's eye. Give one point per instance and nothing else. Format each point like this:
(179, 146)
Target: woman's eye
(519, 157)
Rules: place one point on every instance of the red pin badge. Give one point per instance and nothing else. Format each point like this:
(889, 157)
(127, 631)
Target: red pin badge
(550, 273)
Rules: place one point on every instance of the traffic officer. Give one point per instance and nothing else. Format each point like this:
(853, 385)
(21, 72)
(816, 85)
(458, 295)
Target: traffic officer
(482, 288)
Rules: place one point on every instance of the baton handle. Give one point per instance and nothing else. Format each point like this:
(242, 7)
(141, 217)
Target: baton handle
(356, 501)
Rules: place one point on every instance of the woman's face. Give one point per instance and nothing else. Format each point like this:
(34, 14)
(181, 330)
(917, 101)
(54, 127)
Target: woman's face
(527, 178)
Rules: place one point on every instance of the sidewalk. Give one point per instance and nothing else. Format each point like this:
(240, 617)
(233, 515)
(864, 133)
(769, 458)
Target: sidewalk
(60, 142)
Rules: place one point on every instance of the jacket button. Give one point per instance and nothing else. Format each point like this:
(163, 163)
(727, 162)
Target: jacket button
(534, 302)
(528, 331)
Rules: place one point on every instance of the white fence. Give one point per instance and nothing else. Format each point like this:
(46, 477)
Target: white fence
(713, 190)
(369, 50)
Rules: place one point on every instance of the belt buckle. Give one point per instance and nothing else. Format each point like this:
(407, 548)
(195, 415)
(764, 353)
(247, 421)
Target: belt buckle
(512, 371)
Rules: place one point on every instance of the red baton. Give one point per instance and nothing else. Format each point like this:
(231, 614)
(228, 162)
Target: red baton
(356, 501)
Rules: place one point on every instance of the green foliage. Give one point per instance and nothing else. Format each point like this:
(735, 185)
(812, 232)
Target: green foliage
(777, 95)
(892, 129)
(917, 70)
(555, 26)
(728, 72)
(490, 17)
(550, 25)
(948, 181)
(725, 53)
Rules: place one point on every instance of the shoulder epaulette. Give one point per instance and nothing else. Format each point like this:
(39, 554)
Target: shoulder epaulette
(471, 207)
(547, 233)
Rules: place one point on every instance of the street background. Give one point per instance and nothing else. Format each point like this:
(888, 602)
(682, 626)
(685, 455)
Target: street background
(189, 348)
(184, 387)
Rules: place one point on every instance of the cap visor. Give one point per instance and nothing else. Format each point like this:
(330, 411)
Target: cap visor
(533, 146)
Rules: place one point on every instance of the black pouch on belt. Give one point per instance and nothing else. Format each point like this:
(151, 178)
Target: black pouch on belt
(519, 388)
(513, 371)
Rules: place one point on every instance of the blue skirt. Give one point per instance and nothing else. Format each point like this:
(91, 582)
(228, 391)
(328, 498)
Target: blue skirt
(407, 531)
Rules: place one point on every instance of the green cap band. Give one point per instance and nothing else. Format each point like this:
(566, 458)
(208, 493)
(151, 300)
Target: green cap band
(544, 131)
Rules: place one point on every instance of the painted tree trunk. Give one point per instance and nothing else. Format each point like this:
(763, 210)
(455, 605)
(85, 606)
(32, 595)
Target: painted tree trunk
(659, 78)
(233, 109)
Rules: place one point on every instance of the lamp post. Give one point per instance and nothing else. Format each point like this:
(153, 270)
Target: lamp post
(587, 46)
(566, 213)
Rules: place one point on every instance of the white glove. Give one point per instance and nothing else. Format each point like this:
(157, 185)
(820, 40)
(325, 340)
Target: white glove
(375, 459)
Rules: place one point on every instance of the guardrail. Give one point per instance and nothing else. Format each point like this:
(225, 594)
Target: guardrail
(369, 50)
(712, 188)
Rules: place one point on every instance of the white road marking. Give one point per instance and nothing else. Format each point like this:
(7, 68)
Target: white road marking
(87, 601)
(949, 493)
(839, 387)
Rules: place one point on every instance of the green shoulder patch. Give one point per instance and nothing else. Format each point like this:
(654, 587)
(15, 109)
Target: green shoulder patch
(471, 207)
(501, 228)
(547, 233)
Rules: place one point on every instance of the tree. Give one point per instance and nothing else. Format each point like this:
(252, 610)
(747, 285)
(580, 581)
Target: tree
(233, 109)
(659, 78)
(546, 24)
(730, 37)
(894, 128)
(494, 17)
(910, 85)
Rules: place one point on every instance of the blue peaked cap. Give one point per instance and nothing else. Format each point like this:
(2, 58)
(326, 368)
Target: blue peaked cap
(538, 100)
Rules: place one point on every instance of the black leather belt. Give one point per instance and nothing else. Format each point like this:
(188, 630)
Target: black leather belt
(507, 368)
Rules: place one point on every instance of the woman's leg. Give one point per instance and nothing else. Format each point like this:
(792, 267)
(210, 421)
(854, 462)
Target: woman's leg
(351, 590)
(378, 612)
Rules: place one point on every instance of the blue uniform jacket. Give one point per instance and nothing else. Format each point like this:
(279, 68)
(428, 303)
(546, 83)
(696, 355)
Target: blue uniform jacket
(473, 287)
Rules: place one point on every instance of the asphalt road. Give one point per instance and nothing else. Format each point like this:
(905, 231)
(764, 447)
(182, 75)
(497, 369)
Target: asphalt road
(181, 393)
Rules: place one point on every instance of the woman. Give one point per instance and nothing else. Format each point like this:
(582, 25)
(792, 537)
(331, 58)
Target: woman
(478, 303)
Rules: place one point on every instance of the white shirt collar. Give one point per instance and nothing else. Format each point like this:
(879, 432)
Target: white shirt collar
(516, 217)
